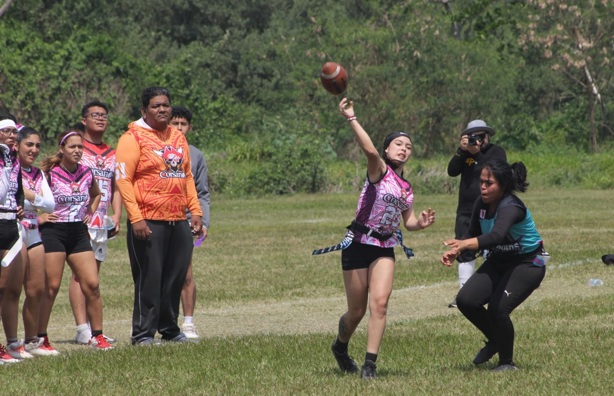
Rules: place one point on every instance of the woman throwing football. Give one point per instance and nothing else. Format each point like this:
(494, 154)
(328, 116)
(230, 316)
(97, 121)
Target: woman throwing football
(386, 202)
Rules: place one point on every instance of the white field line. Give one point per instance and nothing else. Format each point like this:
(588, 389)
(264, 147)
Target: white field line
(321, 315)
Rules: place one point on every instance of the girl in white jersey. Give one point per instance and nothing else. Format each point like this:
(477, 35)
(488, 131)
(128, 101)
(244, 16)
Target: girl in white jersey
(368, 263)
(65, 235)
(12, 250)
(38, 196)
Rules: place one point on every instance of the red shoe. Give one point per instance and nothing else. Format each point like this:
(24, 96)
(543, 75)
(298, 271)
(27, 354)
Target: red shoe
(100, 342)
(46, 349)
(5, 358)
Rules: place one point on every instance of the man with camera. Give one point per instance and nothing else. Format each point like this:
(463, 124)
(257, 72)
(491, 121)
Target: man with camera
(474, 152)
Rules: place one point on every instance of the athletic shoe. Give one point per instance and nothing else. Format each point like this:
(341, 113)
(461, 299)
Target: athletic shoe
(83, 337)
(345, 362)
(100, 343)
(369, 370)
(178, 338)
(189, 329)
(146, 341)
(35, 348)
(110, 340)
(505, 367)
(453, 303)
(47, 348)
(5, 358)
(608, 259)
(485, 354)
(16, 350)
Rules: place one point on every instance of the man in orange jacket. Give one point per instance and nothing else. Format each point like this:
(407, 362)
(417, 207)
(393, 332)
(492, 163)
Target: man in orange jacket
(155, 180)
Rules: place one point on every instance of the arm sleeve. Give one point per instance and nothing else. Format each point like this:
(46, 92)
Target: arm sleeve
(44, 202)
(506, 217)
(201, 180)
(5, 176)
(455, 166)
(128, 154)
(192, 195)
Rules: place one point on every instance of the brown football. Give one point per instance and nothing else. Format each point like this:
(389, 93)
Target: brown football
(334, 78)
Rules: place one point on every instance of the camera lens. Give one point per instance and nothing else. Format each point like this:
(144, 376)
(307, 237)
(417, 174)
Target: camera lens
(475, 139)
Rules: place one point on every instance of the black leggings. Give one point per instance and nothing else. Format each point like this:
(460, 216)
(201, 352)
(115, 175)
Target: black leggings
(503, 286)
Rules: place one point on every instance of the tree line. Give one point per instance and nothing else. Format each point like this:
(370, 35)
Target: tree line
(537, 70)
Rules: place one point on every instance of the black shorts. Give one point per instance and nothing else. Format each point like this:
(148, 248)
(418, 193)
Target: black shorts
(8, 233)
(358, 255)
(65, 237)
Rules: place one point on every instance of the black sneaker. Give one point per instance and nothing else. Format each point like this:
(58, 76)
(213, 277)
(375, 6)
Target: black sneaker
(345, 362)
(485, 354)
(505, 367)
(608, 259)
(453, 303)
(369, 370)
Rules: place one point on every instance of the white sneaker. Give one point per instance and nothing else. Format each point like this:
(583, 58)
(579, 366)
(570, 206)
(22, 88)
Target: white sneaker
(35, 348)
(83, 336)
(17, 351)
(189, 330)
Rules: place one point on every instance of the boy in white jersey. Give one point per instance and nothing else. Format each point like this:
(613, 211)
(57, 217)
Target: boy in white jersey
(100, 157)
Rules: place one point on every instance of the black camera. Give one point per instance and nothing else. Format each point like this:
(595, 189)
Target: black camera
(475, 139)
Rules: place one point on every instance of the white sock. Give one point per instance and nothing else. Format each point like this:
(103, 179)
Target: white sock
(187, 319)
(465, 270)
(83, 327)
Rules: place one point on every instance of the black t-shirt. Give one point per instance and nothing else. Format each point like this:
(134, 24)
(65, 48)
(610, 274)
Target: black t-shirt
(469, 167)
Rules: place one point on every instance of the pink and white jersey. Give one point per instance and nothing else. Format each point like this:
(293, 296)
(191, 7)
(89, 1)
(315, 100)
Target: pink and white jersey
(381, 205)
(71, 192)
(100, 158)
(10, 203)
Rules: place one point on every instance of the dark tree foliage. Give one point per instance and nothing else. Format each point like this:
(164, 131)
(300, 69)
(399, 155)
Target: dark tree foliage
(249, 71)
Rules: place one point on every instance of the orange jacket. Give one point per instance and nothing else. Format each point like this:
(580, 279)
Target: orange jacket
(154, 174)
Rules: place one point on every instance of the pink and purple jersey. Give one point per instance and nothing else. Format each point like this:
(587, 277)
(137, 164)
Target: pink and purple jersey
(381, 206)
(100, 158)
(71, 192)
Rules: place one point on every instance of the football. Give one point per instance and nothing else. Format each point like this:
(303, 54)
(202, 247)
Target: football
(334, 78)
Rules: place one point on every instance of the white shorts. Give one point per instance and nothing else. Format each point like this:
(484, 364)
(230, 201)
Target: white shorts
(98, 240)
(31, 238)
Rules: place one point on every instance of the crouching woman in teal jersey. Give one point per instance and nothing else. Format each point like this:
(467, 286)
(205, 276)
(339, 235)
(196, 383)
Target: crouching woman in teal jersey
(514, 266)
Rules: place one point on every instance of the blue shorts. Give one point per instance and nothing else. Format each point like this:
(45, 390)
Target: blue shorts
(65, 237)
(358, 255)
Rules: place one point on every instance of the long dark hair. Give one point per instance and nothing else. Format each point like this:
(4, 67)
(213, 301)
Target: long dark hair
(512, 178)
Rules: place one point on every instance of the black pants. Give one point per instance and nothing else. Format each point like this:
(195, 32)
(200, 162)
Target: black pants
(159, 266)
(463, 220)
(503, 286)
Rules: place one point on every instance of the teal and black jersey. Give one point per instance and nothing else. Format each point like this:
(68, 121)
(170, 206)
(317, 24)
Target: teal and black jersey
(508, 232)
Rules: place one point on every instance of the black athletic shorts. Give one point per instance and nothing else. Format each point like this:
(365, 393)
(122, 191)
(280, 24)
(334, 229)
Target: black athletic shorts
(358, 255)
(8, 233)
(65, 237)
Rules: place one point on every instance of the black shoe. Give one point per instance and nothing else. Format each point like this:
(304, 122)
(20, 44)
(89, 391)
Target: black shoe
(453, 303)
(345, 362)
(369, 370)
(485, 354)
(608, 259)
(505, 367)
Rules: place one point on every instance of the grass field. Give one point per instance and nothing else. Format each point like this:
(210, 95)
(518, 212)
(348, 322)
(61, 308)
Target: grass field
(268, 311)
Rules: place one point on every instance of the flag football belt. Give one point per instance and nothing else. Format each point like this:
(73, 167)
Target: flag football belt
(363, 229)
(349, 237)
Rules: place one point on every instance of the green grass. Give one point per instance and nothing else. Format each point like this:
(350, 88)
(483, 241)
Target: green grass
(268, 311)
